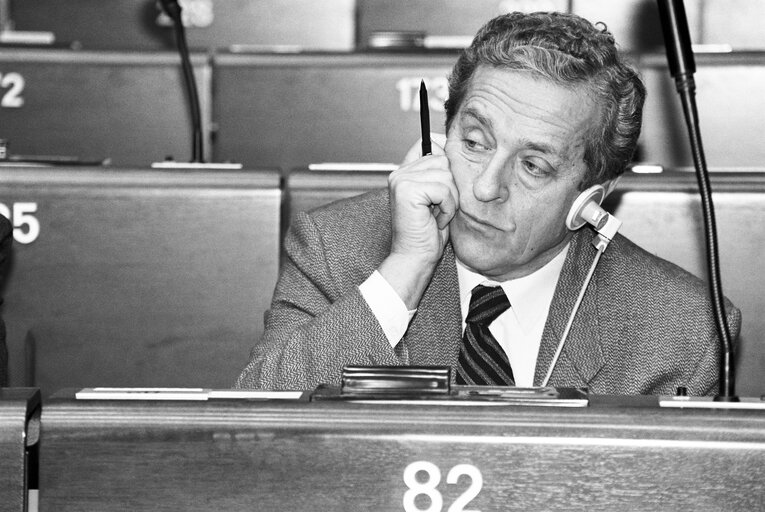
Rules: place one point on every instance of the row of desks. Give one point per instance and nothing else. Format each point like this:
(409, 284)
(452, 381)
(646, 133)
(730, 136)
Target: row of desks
(350, 24)
(289, 111)
(255, 454)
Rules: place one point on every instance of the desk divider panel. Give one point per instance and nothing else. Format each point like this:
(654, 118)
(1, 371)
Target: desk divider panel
(128, 108)
(728, 94)
(210, 24)
(290, 111)
(137, 277)
(306, 190)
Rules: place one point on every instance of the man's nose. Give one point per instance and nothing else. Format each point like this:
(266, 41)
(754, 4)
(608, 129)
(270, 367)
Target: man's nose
(491, 183)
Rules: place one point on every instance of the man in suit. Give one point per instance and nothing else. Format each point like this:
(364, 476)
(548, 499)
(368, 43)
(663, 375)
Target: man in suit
(541, 107)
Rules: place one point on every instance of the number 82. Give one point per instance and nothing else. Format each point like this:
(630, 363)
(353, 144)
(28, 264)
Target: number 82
(428, 487)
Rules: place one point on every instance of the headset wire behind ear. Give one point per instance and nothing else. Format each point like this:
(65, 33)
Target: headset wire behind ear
(586, 209)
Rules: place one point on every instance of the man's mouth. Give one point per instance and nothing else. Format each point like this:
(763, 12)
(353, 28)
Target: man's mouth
(479, 222)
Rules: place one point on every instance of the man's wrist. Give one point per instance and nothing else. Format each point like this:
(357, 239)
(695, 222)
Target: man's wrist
(387, 306)
(408, 276)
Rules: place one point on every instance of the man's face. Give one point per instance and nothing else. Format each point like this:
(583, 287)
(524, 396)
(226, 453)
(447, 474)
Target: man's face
(516, 151)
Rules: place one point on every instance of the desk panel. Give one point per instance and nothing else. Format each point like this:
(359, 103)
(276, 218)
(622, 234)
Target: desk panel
(445, 18)
(128, 108)
(291, 111)
(728, 95)
(306, 190)
(137, 278)
(226, 455)
(210, 24)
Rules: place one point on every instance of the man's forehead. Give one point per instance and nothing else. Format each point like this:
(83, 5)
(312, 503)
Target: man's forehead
(550, 116)
(473, 112)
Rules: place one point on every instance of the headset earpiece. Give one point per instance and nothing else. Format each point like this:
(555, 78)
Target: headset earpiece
(586, 209)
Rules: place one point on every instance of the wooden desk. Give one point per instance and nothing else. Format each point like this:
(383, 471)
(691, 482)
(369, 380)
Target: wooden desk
(239, 455)
(19, 430)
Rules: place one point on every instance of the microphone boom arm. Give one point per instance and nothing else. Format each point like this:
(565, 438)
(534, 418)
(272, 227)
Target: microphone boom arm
(682, 66)
(173, 10)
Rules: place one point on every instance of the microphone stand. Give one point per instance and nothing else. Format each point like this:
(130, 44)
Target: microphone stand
(682, 67)
(173, 10)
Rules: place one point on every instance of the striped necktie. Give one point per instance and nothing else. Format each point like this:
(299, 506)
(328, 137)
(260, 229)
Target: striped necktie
(482, 361)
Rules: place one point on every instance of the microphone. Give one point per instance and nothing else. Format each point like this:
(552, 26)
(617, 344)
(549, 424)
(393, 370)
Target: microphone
(681, 65)
(677, 40)
(171, 8)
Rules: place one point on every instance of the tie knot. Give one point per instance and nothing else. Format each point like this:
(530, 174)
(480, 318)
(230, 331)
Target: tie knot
(486, 304)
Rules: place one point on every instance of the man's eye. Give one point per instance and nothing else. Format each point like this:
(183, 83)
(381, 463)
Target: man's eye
(534, 169)
(473, 145)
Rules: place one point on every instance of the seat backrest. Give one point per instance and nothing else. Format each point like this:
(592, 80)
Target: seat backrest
(137, 278)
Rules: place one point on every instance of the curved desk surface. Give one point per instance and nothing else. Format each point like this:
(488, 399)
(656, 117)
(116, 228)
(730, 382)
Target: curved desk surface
(617, 453)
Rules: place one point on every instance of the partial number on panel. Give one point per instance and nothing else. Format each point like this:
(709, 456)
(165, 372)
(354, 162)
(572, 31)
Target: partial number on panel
(12, 85)
(26, 227)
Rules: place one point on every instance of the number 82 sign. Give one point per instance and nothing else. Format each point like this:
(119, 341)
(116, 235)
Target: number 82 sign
(428, 487)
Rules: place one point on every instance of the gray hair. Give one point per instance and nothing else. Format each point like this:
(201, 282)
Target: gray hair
(567, 50)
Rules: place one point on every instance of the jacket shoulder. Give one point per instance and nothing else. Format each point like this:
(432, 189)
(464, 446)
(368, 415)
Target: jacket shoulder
(357, 223)
(651, 273)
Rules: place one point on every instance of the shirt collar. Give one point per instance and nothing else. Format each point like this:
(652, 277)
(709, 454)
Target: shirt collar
(530, 296)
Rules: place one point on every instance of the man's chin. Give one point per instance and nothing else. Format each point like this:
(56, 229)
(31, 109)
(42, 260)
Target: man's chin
(477, 258)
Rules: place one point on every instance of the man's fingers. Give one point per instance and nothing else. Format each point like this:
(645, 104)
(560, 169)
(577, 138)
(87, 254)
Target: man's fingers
(446, 209)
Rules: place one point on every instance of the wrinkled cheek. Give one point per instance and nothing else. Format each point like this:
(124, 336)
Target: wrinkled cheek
(482, 247)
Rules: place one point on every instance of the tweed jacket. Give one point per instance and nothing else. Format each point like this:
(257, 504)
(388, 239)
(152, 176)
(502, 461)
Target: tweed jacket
(644, 325)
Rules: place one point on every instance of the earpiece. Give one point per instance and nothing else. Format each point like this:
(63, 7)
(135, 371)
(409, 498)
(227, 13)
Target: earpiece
(586, 208)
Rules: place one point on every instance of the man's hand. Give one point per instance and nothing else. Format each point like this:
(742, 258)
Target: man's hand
(424, 199)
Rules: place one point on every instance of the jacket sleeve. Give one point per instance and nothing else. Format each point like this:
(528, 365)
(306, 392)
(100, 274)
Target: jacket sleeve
(318, 321)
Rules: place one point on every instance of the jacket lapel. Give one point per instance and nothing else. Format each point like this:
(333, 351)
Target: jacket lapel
(434, 334)
(581, 358)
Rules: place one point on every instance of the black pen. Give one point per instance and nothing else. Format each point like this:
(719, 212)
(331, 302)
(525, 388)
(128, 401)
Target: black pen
(424, 119)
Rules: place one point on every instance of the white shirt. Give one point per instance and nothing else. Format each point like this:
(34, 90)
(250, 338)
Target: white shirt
(518, 330)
